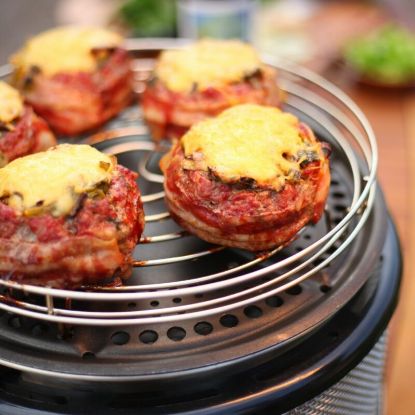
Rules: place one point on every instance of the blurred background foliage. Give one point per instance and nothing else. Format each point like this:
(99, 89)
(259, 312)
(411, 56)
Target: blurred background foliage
(150, 18)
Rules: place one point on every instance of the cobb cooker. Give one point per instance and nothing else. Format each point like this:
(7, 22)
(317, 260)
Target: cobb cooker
(203, 329)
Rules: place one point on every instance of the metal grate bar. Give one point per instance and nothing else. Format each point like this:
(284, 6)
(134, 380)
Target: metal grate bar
(163, 238)
(157, 217)
(189, 257)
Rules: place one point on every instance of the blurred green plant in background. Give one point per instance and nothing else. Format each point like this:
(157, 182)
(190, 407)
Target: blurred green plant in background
(386, 55)
(149, 18)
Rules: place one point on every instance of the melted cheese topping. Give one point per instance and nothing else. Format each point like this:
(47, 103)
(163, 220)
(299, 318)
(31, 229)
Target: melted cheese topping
(65, 49)
(11, 103)
(206, 63)
(248, 141)
(54, 178)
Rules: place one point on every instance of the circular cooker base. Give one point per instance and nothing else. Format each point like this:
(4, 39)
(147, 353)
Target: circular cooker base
(283, 382)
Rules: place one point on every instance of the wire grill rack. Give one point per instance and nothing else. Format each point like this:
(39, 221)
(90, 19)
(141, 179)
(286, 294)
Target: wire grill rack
(231, 285)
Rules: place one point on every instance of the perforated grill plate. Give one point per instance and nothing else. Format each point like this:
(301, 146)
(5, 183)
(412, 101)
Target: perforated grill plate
(191, 306)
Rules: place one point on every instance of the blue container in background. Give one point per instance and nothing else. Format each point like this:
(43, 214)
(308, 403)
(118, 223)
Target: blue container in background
(226, 19)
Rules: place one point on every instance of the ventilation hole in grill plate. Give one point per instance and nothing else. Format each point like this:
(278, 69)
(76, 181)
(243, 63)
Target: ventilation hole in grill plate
(154, 303)
(120, 338)
(332, 249)
(148, 336)
(295, 290)
(229, 320)
(177, 300)
(203, 328)
(340, 208)
(274, 301)
(176, 333)
(318, 261)
(253, 311)
(325, 288)
(338, 195)
(15, 322)
(88, 356)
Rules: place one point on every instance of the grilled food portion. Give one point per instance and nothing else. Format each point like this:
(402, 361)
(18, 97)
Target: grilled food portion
(250, 178)
(202, 80)
(22, 132)
(68, 216)
(75, 77)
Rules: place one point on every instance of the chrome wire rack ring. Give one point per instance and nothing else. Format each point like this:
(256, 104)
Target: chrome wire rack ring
(178, 277)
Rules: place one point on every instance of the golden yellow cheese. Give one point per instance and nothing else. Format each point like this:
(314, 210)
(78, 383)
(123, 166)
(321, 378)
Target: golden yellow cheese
(206, 63)
(54, 179)
(248, 141)
(11, 103)
(64, 49)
